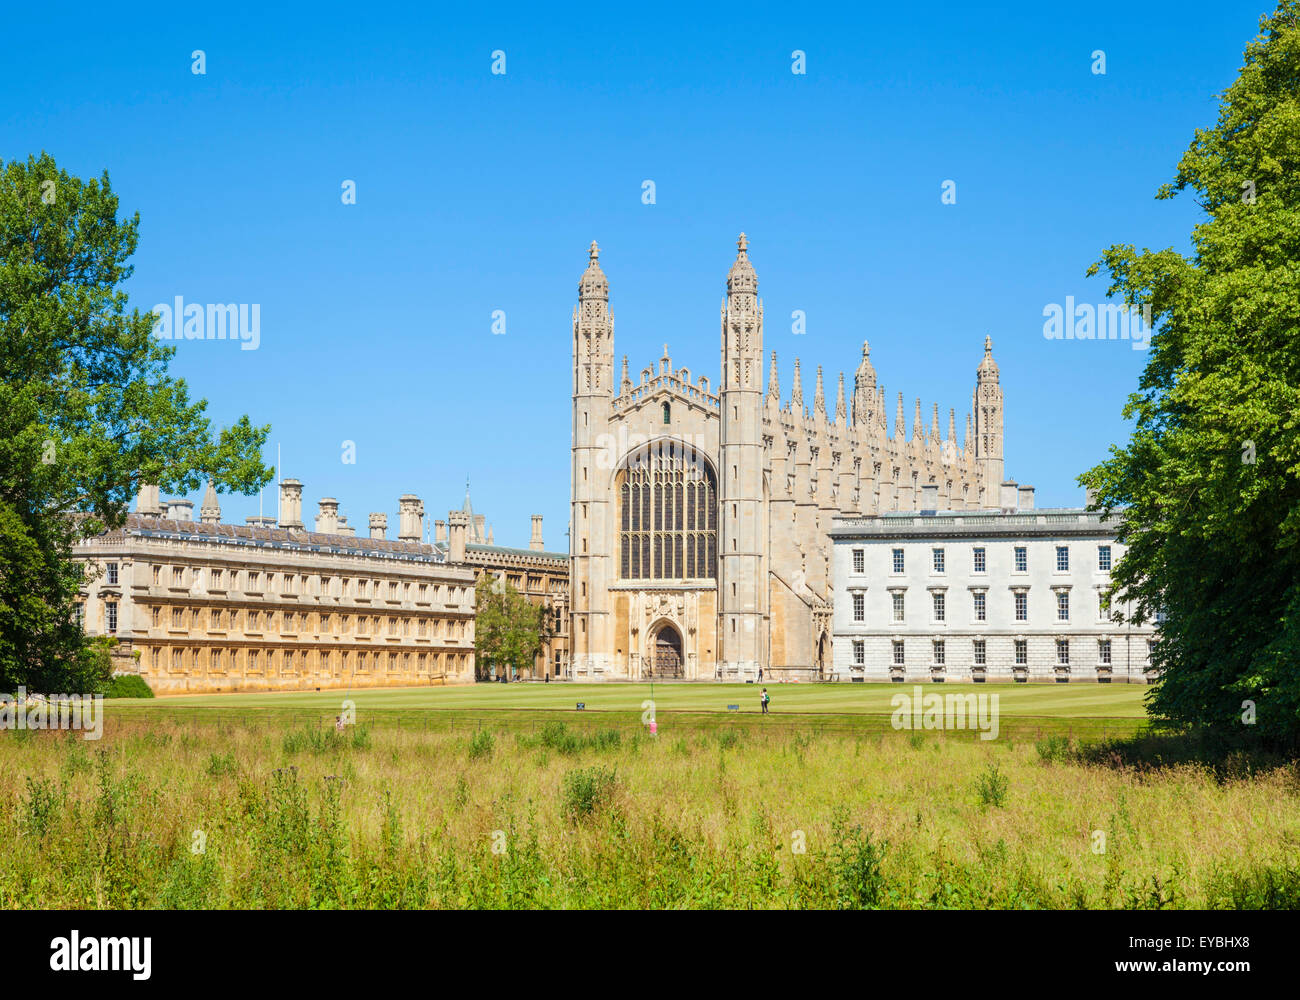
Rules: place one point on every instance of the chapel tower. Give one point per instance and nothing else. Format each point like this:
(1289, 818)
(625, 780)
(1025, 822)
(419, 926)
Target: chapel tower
(589, 516)
(741, 565)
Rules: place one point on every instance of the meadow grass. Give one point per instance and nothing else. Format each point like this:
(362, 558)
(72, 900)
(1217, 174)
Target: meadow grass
(169, 812)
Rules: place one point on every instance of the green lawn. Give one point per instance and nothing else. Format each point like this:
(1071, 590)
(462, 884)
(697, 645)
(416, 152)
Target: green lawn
(1076, 701)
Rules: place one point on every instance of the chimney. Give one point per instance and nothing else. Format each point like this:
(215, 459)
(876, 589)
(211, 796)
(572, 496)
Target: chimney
(378, 525)
(535, 543)
(291, 504)
(480, 534)
(929, 498)
(458, 524)
(1007, 497)
(410, 512)
(180, 510)
(1026, 497)
(1089, 496)
(147, 502)
(260, 521)
(440, 531)
(345, 528)
(327, 521)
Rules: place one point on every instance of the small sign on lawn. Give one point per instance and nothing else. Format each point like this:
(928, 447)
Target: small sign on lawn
(733, 708)
(581, 705)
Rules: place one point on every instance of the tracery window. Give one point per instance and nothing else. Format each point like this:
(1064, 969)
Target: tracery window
(668, 515)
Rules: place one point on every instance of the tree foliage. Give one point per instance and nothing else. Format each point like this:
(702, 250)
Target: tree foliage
(509, 629)
(87, 412)
(1211, 475)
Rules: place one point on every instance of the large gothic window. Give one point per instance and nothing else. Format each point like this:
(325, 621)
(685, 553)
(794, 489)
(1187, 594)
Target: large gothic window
(668, 515)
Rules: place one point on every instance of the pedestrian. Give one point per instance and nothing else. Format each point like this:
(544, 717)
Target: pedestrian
(760, 675)
(763, 700)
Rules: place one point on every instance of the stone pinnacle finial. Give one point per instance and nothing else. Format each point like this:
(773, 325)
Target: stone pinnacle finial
(866, 350)
(742, 244)
(988, 344)
(594, 253)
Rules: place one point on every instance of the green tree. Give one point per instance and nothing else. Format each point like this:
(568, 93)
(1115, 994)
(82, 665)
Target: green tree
(1211, 475)
(87, 413)
(509, 629)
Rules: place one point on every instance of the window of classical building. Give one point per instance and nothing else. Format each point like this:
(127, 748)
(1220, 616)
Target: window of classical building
(668, 515)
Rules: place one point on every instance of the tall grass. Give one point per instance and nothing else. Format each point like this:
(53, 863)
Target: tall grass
(250, 814)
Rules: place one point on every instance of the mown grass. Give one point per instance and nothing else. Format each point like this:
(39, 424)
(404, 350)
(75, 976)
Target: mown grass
(251, 814)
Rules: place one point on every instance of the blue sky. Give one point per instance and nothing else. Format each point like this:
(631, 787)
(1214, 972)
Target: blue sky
(478, 192)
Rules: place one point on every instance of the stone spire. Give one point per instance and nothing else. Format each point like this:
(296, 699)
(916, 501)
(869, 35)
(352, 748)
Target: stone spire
(952, 425)
(742, 327)
(864, 387)
(934, 425)
(210, 511)
(796, 391)
(880, 410)
(900, 422)
(593, 330)
(841, 411)
(773, 383)
(819, 397)
(627, 381)
(968, 441)
(918, 428)
(988, 424)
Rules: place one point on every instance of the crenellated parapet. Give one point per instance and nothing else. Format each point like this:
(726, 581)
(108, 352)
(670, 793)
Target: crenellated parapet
(666, 379)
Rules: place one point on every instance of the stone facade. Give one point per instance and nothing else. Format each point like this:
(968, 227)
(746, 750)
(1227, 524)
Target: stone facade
(700, 516)
(1016, 594)
(205, 607)
(541, 576)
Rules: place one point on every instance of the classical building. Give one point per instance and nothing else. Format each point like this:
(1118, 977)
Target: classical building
(205, 606)
(1014, 594)
(700, 513)
(541, 576)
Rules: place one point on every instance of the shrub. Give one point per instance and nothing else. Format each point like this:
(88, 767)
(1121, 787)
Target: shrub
(44, 801)
(1053, 749)
(855, 863)
(481, 744)
(587, 790)
(127, 686)
(728, 739)
(992, 787)
(221, 764)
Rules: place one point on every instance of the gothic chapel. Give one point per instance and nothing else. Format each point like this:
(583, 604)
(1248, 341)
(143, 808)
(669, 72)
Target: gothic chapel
(700, 513)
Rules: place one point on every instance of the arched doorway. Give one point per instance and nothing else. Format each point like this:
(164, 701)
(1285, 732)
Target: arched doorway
(821, 655)
(666, 653)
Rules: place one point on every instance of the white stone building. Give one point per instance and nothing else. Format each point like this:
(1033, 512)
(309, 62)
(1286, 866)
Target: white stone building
(1016, 594)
